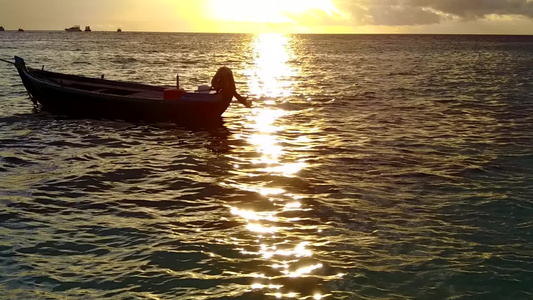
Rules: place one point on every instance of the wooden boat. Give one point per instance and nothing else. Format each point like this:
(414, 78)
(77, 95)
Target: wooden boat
(92, 97)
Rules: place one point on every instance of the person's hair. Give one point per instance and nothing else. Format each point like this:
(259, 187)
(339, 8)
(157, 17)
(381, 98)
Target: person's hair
(223, 80)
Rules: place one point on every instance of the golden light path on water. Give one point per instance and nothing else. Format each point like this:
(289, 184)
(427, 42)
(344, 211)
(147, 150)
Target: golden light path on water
(271, 56)
(264, 128)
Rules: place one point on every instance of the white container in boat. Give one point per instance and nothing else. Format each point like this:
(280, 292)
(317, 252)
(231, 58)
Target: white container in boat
(204, 88)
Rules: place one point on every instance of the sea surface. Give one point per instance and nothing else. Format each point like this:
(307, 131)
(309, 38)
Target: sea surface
(370, 167)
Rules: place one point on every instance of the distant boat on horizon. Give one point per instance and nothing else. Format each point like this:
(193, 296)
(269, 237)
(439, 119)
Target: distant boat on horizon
(119, 30)
(75, 28)
(88, 29)
(20, 30)
(2, 28)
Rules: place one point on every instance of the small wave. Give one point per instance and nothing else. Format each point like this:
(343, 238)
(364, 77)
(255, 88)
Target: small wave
(15, 161)
(124, 60)
(404, 73)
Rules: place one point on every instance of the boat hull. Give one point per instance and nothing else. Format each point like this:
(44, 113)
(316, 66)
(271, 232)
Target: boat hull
(62, 99)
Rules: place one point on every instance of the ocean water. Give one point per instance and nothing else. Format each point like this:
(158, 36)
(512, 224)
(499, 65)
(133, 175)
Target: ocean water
(371, 167)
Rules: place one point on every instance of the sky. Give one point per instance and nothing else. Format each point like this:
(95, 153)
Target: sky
(289, 16)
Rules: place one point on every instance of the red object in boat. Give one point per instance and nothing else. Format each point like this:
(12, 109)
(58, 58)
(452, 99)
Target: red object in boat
(173, 94)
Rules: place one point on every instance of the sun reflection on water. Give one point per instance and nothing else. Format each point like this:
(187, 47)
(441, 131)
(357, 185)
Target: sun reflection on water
(268, 164)
(272, 53)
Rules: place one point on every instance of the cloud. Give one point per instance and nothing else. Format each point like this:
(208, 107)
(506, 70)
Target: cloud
(402, 15)
(424, 12)
(474, 9)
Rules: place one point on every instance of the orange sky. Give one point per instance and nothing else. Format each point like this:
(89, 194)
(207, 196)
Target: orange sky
(305, 16)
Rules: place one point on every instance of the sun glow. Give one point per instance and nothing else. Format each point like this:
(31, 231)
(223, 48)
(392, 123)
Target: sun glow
(273, 11)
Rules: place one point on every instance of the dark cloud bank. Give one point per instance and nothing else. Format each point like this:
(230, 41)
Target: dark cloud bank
(423, 12)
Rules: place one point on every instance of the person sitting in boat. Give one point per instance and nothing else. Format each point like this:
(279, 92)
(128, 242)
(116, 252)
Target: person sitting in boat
(223, 79)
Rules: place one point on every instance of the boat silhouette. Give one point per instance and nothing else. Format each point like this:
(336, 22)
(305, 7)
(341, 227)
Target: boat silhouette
(75, 28)
(88, 29)
(98, 97)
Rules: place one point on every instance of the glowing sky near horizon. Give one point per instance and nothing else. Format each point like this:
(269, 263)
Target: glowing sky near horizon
(313, 16)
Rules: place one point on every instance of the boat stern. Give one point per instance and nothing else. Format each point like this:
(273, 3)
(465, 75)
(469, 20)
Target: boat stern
(19, 61)
(23, 73)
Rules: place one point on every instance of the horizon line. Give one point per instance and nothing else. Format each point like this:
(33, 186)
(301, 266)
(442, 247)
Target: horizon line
(273, 32)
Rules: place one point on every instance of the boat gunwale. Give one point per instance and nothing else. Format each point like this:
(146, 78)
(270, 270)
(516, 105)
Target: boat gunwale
(44, 77)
